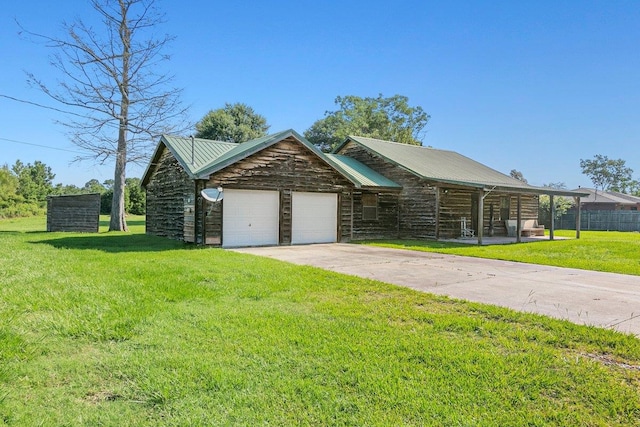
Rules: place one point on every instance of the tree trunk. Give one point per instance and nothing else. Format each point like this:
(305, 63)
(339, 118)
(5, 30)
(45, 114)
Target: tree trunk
(118, 222)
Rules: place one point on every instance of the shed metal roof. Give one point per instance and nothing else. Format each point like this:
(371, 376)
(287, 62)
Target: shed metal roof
(447, 166)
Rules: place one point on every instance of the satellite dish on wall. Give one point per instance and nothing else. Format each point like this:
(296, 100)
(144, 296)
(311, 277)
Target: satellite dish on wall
(213, 194)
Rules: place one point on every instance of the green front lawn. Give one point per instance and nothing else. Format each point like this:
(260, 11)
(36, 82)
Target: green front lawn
(126, 329)
(610, 251)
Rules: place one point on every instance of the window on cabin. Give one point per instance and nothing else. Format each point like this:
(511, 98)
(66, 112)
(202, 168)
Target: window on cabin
(369, 207)
(505, 207)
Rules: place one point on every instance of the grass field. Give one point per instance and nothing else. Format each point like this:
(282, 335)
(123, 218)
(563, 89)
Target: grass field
(125, 329)
(610, 251)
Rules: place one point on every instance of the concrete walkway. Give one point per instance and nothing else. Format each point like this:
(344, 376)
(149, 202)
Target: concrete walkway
(584, 297)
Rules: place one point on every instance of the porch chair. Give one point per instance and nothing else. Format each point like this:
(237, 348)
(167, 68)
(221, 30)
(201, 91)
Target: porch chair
(465, 233)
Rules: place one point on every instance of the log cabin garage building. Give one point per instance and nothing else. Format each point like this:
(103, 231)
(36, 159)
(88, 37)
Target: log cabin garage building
(281, 190)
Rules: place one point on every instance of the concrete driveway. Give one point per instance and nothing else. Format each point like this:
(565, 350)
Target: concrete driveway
(584, 297)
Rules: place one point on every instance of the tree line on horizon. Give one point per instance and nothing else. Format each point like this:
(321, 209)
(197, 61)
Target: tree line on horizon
(24, 189)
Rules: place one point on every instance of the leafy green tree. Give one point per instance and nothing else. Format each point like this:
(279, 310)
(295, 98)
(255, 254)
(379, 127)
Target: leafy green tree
(137, 204)
(35, 181)
(13, 204)
(94, 186)
(232, 123)
(134, 198)
(391, 119)
(8, 182)
(61, 189)
(561, 204)
(108, 184)
(607, 174)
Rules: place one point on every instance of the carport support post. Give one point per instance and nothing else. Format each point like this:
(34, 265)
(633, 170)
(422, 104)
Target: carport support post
(552, 213)
(519, 219)
(578, 215)
(480, 226)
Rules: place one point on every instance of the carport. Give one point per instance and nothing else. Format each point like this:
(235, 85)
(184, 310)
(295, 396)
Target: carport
(484, 191)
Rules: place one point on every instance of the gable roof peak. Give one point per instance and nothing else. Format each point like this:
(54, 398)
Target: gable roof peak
(245, 149)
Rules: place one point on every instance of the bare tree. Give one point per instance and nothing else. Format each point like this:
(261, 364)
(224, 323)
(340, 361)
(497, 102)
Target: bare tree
(112, 83)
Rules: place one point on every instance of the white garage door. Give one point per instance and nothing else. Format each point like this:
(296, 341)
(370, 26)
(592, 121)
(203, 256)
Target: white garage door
(314, 217)
(250, 218)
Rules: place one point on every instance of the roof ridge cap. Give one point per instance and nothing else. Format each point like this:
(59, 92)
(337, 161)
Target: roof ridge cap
(407, 145)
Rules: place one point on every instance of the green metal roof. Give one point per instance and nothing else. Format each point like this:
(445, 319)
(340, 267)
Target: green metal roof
(445, 166)
(192, 154)
(203, 151)
(202, 157)
(360, 174)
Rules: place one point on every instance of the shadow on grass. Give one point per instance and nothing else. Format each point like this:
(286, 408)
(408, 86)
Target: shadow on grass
(130, 222)
(116, 243)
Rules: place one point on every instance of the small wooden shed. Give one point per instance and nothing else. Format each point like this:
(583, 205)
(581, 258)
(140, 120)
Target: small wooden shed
(76, 212)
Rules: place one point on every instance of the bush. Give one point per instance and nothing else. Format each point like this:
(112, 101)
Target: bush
(135, 202)
(20, 210)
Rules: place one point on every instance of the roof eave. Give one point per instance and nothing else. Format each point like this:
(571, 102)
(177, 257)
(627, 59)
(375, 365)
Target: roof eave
(153, 162)
(379, 188)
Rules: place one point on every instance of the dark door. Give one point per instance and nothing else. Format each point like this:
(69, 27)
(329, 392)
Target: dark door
(474, 213)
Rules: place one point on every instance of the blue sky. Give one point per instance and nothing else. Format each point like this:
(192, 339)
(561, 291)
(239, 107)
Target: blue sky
(532, 86)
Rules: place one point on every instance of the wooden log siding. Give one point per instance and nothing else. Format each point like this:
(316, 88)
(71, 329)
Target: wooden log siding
(168, 191)
(345, 216)
(528, 206)
(212, 212)
(286, 166)
(386, 224)
(456, 203)
(286, 206)
(79, 213)
(416, 202)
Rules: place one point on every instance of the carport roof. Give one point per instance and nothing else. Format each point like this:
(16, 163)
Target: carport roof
(360, 174)
(447, 167)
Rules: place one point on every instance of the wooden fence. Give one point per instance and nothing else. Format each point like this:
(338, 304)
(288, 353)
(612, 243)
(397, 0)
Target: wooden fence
(74, 213)
(601, 221)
